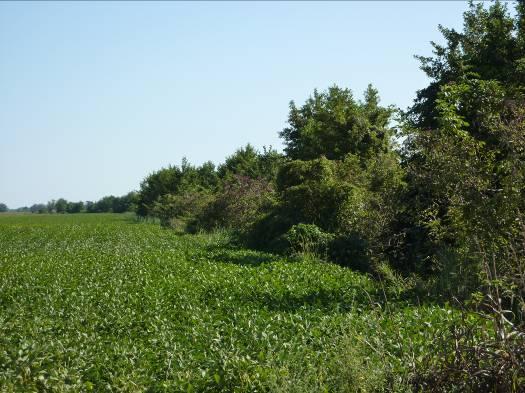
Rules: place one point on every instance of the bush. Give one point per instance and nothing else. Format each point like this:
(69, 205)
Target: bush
(174, 180)
(308, 239)
(240, 203)
(350, 250)
(248, 161)
(179, 210)
(311, 192)
(267, 232)
(354, 200)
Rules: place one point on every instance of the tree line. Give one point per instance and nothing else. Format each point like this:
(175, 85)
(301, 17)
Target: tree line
(427, 195)
(107, 204)
(447, 178)
(438, 198)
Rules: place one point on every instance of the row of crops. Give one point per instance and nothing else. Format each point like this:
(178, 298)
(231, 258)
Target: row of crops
(104, 303)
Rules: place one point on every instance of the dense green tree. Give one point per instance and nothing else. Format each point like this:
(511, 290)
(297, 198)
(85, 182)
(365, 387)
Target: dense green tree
(113, 204)
(61, 205)
(75, 207)
(174, 180)
(356, 203)
(3, 208)
(457, 149)
(313, 191)
(341, 175)
(90, 207)
(38, 208)
(192, 177)
(51, 206)
(490, 47)
(161, 182)
(105, 204)
(333, 124)
(180, 210)
(248, 161)
(468, 180)
(125, 203)
(244, 162)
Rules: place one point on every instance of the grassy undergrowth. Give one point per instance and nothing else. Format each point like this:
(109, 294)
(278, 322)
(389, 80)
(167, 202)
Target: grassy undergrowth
(103, 303)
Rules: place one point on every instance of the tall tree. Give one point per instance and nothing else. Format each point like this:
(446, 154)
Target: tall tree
(174, 180)
(61, 205)
(75, 207)
(341, 175)
(464, 135)
(490, 47)
(333, 124)
(248, 161)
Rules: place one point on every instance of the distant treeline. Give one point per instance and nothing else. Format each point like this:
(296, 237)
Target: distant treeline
(108, 204)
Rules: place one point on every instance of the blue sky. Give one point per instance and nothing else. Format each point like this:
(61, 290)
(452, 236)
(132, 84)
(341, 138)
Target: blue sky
(97, 95)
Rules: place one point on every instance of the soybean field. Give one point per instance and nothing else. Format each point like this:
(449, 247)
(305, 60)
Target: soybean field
(103, 302)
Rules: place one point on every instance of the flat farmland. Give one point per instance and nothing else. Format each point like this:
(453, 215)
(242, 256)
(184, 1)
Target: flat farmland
(101, 302)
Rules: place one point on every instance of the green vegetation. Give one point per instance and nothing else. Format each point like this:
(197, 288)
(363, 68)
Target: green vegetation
(103, 302)
(107, 204)
(443, 210)
(430, 212)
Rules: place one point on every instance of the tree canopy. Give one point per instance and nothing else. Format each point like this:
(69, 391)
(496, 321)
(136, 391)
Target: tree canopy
(333, 124)
(490, 47)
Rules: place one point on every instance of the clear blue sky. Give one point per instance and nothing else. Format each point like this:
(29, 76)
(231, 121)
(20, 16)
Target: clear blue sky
(94, 96)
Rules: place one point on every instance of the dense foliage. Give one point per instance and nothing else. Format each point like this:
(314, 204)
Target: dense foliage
(453, 188)
(127, 306)
(465, 146)
(333, 124)
(175, 180)
(193, 197)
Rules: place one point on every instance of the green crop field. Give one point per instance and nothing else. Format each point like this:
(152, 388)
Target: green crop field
(104, 303)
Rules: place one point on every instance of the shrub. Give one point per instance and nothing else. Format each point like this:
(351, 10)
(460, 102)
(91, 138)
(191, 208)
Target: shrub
(248, 161)
(179, 210)
(311, 192)
(266, 233)
(308, 239)
(174, 180)
(354, 200)
(350, 250)
(238, 205)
